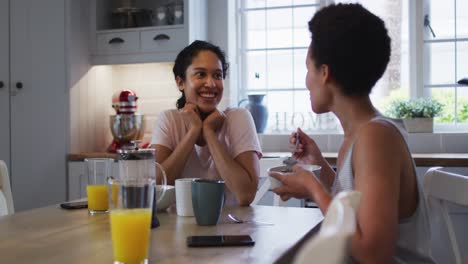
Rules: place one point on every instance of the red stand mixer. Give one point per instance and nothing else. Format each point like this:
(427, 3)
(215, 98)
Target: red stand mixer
(126, 125)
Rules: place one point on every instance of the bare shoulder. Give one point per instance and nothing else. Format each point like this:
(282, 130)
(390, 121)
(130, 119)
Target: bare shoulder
(380, 133)
(379, 145)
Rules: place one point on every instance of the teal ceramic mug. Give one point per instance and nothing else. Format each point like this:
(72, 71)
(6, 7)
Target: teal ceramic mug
(207, 200)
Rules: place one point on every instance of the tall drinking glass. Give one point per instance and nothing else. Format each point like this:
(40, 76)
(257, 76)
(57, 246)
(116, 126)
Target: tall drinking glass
(140, 164)
(130, 219)
(98, 171)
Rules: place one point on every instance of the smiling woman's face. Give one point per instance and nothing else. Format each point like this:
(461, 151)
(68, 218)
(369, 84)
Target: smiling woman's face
(203, 84)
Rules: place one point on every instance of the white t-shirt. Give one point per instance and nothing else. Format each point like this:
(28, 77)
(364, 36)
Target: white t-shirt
(237, 135)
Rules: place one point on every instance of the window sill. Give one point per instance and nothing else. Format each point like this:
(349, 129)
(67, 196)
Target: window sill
(437, 142)
(421, 159)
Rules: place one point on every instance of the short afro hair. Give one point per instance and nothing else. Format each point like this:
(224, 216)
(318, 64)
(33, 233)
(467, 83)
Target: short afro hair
(354, 43)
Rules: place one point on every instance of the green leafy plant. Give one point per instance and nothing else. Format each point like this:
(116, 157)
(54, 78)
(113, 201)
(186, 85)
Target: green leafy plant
(414, 108)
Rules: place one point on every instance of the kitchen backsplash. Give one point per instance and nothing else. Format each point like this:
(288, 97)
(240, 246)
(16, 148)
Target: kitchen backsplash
(154, 85)
(91, 100)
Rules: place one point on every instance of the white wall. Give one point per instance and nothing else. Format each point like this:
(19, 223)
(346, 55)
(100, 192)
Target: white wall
(92, 96)
(90, 87)
(90, 110)
(154, 85)
(221, 32)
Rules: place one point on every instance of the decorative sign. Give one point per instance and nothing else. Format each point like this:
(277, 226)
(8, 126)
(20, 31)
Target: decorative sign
(286, 122)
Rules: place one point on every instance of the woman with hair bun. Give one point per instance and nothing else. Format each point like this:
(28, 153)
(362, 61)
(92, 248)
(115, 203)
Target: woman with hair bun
(197, 140)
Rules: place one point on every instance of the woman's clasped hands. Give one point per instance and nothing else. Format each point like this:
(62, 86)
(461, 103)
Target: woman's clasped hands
(211, 123)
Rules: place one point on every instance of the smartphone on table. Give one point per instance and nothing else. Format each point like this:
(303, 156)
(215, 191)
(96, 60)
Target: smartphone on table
(220, 241)
(74, 205)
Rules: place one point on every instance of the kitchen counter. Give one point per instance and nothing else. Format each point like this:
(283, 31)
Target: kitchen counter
(421, 159)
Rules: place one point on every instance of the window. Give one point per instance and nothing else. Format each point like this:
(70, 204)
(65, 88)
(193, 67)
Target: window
(273, 42)
(273, 47)
(395, 82)
(445, 54)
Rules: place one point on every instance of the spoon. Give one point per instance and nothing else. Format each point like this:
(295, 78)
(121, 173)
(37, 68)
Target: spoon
(240, 221)
(290, 161)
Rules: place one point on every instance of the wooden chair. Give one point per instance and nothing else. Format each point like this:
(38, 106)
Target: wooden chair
(330, 245)
(441, 188)
(6, 199)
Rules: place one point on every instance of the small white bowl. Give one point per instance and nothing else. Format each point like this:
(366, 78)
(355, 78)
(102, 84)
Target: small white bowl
(274, 183)
(168, 199)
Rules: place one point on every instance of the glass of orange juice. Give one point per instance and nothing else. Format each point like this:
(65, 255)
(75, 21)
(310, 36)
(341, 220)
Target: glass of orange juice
(130, 219)
(98, 171)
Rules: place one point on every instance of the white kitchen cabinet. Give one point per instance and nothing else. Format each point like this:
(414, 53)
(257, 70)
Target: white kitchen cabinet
(76, 180)
(143, 44)
(130, 43)
(34, 133)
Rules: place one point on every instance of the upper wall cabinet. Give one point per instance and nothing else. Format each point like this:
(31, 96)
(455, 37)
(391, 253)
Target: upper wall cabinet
(139, 31)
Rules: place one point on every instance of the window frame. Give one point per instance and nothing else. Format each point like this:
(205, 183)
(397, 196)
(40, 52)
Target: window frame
(421, 85)
(242, 51)
(418, 51)
(241, 58)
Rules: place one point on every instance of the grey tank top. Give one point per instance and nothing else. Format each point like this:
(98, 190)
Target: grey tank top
(413, 243)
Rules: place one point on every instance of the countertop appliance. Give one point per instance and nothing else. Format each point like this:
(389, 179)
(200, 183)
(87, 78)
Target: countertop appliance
(126, 125)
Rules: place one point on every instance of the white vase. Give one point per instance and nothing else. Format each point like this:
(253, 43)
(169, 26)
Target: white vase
(419, 125)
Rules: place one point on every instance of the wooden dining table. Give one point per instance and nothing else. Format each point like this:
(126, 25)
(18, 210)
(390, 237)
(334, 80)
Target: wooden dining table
(54, 235)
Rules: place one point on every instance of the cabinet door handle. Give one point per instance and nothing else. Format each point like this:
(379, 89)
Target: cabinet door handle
(1, 84)
(19, 85)
(161, 37)
(116, 41)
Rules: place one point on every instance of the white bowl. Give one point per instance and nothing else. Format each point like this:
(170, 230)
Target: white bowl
(274, 183)
(168, 199)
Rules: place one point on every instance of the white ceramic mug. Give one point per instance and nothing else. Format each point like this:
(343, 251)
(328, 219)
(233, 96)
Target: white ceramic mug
(183, 190)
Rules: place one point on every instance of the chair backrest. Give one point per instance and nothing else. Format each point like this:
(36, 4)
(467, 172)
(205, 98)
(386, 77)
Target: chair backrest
(330, 245)
(6, 199)
(441, 187)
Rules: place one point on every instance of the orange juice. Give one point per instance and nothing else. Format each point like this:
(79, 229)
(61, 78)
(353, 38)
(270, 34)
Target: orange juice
(130, 229)
(97, 197)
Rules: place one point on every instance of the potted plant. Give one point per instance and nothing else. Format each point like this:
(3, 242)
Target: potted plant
(417, 114)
